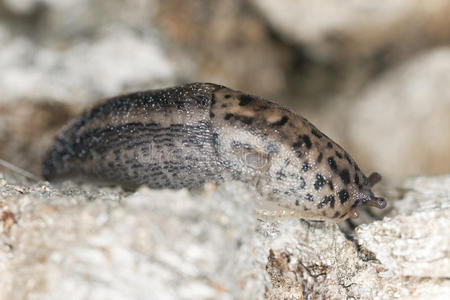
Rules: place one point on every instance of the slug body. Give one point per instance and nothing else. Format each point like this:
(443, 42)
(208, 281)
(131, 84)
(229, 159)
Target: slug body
(185, 136)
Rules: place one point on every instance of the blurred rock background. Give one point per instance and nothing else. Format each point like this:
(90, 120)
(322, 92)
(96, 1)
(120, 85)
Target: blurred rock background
(373, 75)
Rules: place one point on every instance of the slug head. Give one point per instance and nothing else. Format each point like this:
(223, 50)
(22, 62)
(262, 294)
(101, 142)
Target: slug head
(366, 196)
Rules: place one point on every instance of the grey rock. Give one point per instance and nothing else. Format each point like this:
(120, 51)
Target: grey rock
(87, 242)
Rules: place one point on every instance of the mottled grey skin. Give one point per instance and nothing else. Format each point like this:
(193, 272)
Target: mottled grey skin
(189, 135)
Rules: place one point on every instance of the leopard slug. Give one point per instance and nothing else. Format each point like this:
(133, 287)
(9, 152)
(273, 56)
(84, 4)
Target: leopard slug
(186, 136)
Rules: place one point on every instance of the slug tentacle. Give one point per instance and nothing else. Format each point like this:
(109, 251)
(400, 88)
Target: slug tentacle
(375, 202)
(183, 137)
(374, 178)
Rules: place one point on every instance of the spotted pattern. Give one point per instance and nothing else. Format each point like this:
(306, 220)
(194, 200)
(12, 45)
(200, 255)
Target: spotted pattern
(329, 199)
(302, 183)
(245, 100)
(317, 133)
(281, 122)
(330, 185)
(332, 164)
(343, 196)
(305, 166)
(319, 158)
(320, 182)
(345, 176)
(302, 140)
(281, 175)
(243, 119)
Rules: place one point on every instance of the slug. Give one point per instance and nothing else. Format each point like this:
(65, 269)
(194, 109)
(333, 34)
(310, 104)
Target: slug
(186, 136)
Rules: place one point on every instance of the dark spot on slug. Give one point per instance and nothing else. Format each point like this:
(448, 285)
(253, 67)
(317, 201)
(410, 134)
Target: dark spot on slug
(332, 164)
(297, 203)
(348, 158)
(302, 183)
(280, 175)
(309, 197)
(326, 200)
(319, 159)
(245, 120)
(338, 154)
(343, 196)
(330, 145)
(227, 96)
(320, 182)
(211, 115)
(224, 105)
(330, 184)
(331, 201)
(307, 141)
(356, 179)
(336, 214)
(245, 100)
(345, 176)
(305, 167)
(302, 139)
(296, 145)
(281, 122)
(316, 133)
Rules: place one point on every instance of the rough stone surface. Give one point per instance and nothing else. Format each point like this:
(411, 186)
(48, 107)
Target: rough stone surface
(415, 240)
(89, 243)
(81, 242)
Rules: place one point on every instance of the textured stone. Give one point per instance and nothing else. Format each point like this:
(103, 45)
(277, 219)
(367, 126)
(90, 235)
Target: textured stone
(84, 241)
(416, 240)
(78, 243)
